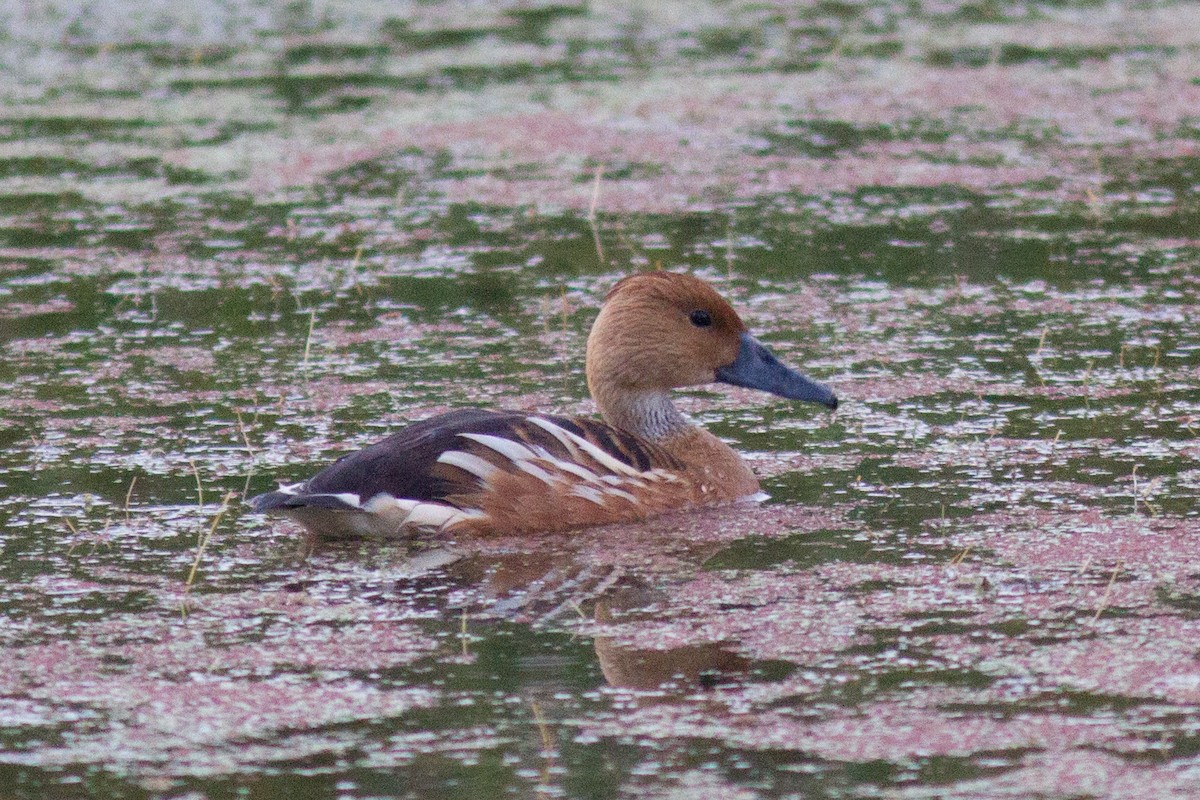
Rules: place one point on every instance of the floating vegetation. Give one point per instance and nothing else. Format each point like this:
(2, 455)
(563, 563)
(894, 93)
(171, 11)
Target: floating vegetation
(236, 242)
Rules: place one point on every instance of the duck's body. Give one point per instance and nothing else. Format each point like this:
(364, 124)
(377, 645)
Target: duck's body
(513, 472)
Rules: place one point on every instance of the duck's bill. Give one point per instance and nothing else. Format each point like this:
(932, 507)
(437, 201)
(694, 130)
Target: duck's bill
(756, 367)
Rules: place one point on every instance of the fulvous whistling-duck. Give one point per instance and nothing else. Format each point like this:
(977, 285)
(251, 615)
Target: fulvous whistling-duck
(505, 472)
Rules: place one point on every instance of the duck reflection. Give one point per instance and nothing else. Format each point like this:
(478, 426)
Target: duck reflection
(640, 592)
(541, 587)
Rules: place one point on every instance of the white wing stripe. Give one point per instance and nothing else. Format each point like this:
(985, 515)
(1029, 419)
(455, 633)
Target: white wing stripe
(555, 431)
(588, 493)
(348, 499)
(606, 460)
(432, 515)
(622, 494)
(417, 513)
(576, 470)
(612, 464)
(539, 473)
(468, 462)
(513, 451)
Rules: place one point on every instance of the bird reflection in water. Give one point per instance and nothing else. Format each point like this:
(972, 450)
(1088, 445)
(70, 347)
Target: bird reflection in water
(605, 600)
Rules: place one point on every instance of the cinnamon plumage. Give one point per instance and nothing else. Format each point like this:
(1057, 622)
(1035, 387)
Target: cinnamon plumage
(481, 471)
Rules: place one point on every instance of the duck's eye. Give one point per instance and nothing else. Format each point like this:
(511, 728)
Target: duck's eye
(700, 318)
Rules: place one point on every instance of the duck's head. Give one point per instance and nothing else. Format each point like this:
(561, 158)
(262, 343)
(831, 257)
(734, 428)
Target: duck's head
(661, 330)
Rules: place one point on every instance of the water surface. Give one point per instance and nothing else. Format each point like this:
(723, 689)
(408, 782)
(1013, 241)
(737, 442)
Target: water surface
(240, 241)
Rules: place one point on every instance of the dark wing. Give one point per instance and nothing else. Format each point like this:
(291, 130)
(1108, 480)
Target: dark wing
(406, 464)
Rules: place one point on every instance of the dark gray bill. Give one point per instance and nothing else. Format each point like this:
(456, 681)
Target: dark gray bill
(756, 367)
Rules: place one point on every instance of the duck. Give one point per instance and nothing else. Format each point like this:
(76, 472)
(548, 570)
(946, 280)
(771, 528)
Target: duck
(497, 472)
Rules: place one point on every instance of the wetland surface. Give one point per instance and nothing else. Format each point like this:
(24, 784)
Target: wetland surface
(239, 240)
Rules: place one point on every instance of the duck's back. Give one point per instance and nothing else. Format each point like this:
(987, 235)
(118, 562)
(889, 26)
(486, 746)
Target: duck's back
(489, 471)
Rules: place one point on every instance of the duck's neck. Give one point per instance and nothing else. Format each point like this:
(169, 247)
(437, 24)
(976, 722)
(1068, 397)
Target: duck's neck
(715, 466)
(648, 414)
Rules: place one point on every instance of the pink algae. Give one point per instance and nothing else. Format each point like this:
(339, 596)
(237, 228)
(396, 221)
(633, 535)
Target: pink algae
(1161, 549)
(958, 568)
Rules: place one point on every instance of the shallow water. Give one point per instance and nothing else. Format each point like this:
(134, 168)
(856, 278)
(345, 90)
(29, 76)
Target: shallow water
(238, 242)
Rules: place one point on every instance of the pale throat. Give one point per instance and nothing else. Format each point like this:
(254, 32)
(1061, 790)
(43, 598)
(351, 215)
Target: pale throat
(649, 414)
